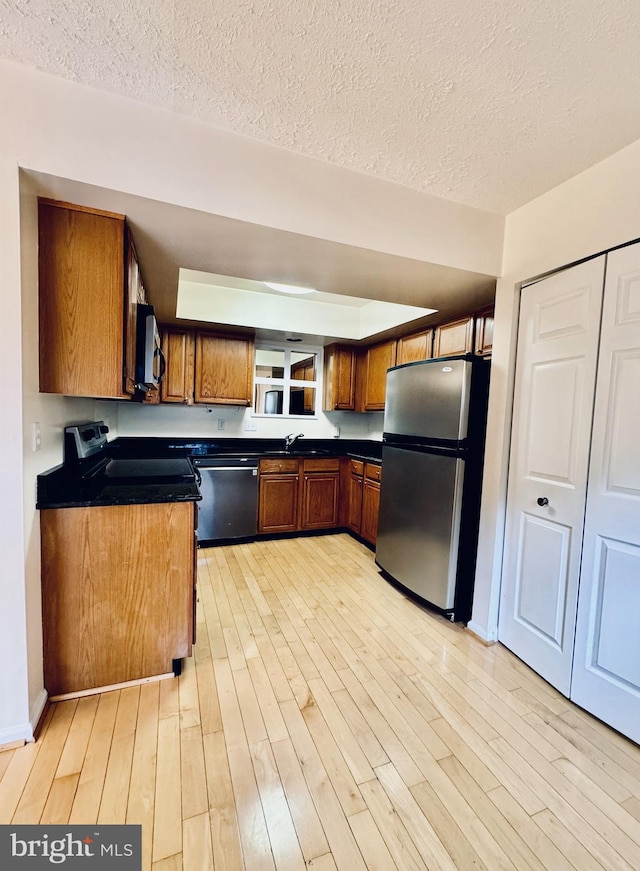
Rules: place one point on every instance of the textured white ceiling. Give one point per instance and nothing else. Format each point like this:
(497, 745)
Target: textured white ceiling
(483, 102)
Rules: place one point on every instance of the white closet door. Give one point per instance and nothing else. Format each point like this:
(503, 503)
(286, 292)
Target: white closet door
(606, 670)
(553, 406)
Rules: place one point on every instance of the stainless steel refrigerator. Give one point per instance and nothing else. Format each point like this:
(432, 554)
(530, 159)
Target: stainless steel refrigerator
(432, 454)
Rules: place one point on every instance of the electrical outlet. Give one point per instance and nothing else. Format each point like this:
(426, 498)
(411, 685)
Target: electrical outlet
(221, 423)
(36, 437)
(250, 425)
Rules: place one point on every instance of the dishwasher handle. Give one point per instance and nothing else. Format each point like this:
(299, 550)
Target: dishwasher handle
(251, 469)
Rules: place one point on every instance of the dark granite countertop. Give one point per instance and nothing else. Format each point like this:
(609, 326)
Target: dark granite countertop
(156, 446)
(60, 487)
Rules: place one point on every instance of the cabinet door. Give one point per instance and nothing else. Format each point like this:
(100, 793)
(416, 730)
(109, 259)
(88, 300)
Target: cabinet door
(453, 338)
(484, 333)
(379, 358)
(411, 349)
(178, 348)
(224, 369)
(370, 509)
(340, 378)
(320, 500)
(354, 517)
(117, 593)
(81, 300)
(278, 504)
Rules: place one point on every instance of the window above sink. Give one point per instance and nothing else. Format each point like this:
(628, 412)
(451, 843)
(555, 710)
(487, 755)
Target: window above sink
(287, 381)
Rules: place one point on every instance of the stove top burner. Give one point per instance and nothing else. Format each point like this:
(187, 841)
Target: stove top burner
(157, 471)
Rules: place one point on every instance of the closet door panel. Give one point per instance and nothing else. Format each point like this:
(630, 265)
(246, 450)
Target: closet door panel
(606, 672)
(553, 406)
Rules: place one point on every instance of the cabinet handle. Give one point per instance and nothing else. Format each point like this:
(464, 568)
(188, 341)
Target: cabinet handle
(542, 501)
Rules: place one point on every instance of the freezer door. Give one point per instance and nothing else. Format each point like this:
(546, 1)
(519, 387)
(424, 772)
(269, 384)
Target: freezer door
(419, 522)
(429, 399)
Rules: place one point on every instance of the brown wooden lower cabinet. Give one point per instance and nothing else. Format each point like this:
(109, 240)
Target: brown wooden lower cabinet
(298, 494)
(355, 504)
(370, 509)
(117, 593)
(278, 506)
(354, 496)
(364, 499)
(320, 493)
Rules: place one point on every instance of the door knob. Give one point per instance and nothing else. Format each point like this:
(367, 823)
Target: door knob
(542, 500)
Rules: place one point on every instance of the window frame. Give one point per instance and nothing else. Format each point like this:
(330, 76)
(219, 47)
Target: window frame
(287, 381)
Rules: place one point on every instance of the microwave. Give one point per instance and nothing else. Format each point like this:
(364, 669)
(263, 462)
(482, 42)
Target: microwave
(150, 362)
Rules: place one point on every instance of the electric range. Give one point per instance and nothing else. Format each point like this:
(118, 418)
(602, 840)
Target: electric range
(90, 476)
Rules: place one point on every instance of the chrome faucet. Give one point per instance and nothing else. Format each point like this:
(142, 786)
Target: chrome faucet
(291, 439)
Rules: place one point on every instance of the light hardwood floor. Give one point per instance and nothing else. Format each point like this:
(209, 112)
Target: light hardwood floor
(327, 722)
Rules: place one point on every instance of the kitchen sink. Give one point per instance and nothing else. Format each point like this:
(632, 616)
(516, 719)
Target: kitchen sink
(296, 453)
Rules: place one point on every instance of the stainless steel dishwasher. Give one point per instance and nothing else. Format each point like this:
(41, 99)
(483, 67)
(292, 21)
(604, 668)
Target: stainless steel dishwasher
(229, 506)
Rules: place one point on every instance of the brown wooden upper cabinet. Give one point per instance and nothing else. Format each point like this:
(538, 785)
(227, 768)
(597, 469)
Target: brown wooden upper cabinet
(484, 332)
(339, 378)
(377, 359)
(206, 367)
(415, 347)
(224, 369)
(178, 346)
(89, 284)
(455, 337)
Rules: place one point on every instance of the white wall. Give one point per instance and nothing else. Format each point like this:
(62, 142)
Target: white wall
(14, 699)
(57, 127)
(594, 211)
(202, 421)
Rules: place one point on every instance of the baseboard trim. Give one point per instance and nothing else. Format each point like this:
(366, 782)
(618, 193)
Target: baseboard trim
(12, 745)
(16, 736)
(37, 713)
(63, 697)
(478, 632)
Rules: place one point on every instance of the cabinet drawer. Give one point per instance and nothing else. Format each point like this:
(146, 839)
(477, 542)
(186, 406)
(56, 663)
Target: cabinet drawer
(322, 465)
(356, 467)
(274, 467)
(372, 471)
